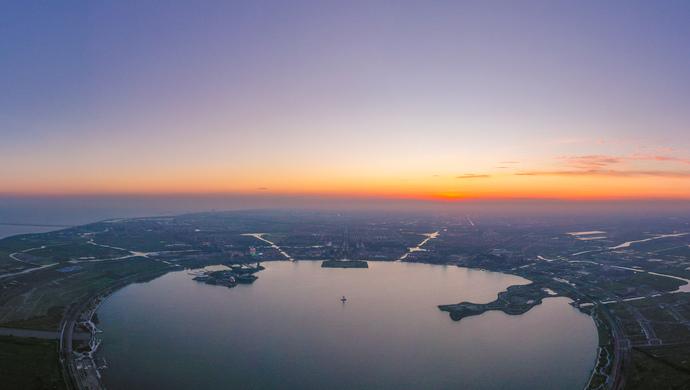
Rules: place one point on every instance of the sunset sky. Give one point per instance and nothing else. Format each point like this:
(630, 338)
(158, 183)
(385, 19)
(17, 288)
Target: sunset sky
(423, 100)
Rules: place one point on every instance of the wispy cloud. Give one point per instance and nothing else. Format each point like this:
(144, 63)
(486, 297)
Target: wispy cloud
(473, 176)
(594, 161)
(642, 157)
(607, 172)
(610, 165)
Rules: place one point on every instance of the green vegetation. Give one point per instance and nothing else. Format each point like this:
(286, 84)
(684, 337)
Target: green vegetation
(596, 381)
(74, 251)
(660, 368)
(37, 300)
(656, 282)
(635, 282)
(27, 363)
(602, 369)
(516, 300)
(143, 241)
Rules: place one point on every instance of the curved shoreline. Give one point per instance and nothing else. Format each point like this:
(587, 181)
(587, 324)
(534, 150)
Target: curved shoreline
(92, 378)
(592, 371)
(511, 301)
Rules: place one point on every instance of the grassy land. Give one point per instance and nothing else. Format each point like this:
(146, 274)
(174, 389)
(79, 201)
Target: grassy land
(36, 301)
(660, 368)
(29, 364)
(48, 248)
(75, 251)
(641, 282)
(605, 356)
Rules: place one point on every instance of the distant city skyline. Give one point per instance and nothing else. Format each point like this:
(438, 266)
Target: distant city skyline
(439, 101)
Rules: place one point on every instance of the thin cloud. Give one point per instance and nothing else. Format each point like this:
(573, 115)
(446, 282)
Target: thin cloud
(640, 157)
(607, 172)
(599, 161)
(472, 176)
(593, 161)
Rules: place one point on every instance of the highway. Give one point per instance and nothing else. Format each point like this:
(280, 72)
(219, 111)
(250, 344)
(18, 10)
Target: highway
(260, 236)
(418, 248)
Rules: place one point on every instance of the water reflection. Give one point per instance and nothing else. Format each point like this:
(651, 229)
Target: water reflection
(290, 330)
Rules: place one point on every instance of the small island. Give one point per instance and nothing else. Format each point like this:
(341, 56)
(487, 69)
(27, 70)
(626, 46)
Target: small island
(344, 264)
(236, 274)
(515, 300)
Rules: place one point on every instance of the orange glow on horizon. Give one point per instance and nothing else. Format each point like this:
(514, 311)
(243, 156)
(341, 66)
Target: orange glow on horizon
(423, 188)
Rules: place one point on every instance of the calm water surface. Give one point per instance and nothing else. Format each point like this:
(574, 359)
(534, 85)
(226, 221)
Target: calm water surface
(289, 330)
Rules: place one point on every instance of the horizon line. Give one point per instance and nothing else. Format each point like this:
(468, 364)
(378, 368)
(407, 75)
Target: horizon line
(442, 198)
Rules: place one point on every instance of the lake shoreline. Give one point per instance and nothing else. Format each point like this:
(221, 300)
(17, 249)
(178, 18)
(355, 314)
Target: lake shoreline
(499, 294)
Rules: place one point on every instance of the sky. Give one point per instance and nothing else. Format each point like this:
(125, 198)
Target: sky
(428, 100)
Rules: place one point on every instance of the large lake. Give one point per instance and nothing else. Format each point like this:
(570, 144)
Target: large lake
(290, 330)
